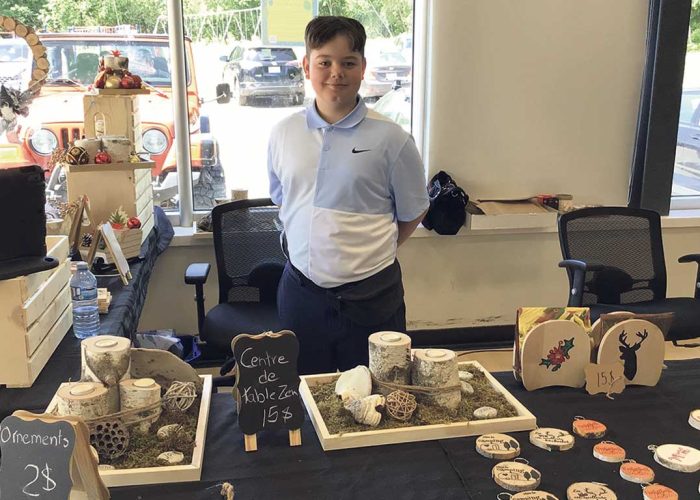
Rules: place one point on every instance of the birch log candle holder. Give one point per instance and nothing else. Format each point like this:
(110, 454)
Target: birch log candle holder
(83, 399)
(390, 359)
(437, 368)
(140, 393)
(106, 359)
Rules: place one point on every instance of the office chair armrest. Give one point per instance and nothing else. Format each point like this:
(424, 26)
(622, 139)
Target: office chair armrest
(693, 257)
(576, 269)
(196, 274)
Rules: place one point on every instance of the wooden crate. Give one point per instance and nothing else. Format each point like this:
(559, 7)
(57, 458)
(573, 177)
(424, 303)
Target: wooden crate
(167, 474)
(119, 114)
(35, 314)
(113, 185)
(522, 422)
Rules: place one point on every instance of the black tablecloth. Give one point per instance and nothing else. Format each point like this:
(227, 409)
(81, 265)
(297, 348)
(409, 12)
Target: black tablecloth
(122, 320)
(449, 468)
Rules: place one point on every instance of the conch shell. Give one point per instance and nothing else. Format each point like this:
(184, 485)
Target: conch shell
(365, 410)
(354, 384)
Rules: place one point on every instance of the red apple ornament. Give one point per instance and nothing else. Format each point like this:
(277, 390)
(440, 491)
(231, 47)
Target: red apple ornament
(102, 157)
(133, 223)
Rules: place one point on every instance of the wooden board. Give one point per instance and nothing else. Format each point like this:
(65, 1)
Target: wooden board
(18, 372)
(551, 342)
(524, 421)
(123, 91)
(42, 298)
(167, 474)
(640, 346)
(112, 167)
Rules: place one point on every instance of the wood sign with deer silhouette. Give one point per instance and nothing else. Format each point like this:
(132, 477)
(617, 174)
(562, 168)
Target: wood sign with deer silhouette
(639, 344)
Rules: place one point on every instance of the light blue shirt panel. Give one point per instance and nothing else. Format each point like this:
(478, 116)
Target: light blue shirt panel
(386, 178)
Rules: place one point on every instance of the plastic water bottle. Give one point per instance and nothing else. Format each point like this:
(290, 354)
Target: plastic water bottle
(83, 291)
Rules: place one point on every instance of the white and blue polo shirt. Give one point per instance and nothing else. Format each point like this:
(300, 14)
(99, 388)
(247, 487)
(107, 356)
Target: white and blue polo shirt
(341, 188)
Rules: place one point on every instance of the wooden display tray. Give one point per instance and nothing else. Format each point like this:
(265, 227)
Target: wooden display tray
(523, 422)
(165, 474)
(123, 91)
(110, 167)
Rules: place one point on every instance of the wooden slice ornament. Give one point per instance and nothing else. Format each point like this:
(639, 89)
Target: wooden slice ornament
(551, 439)
(659, 492)
(677, 457)
(590, 491)
(640, 346)
(41, 63)
(516, 476)
(607, 451)
(694, 419)
(527, 495)
(636, 473)
(588, 429)
(497, 446)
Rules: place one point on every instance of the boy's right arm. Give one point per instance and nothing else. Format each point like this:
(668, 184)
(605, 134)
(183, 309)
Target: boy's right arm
(275, 184)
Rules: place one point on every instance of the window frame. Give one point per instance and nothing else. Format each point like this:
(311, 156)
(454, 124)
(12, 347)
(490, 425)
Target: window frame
(186, 214)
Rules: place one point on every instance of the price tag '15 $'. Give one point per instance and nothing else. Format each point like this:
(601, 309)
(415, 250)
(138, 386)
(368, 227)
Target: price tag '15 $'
(607, 378)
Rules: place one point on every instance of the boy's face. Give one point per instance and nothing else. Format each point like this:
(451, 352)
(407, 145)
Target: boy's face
(336, 72)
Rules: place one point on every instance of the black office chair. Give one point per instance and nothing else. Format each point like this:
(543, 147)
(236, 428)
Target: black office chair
(614, 257)
(249, 263)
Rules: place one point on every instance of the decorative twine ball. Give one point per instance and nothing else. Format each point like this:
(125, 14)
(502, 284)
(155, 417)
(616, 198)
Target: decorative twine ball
(180, 396)
(86, 240)
(400, 405)
(110, 439)
(77, 156)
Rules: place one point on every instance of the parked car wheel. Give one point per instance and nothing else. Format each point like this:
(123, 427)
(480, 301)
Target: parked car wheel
(240, 99)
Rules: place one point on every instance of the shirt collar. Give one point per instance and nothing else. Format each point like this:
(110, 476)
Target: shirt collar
(314, 120)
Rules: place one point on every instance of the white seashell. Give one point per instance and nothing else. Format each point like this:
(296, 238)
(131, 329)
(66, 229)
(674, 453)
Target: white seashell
(485, 412)
(364, 410)
(466, 388)
(170, 458)
(354, 384)
(168, 430)
(465, 376)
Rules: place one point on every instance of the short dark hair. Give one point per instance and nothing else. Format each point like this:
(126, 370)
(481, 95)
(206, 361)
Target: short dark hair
(323, 29)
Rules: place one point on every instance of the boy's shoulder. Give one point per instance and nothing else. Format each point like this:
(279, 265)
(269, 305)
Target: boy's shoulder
(294, 120)
(389, 127)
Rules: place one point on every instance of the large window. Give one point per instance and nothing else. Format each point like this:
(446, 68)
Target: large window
(244, 73)
(686, 174)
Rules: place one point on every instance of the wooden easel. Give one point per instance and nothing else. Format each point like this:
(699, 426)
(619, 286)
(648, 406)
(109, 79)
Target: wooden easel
(87, 484)
(105, 233)
(250, 441)
(77, 223)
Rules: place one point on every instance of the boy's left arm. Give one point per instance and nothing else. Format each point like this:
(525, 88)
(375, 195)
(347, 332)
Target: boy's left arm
(406, 228)
(409, 190)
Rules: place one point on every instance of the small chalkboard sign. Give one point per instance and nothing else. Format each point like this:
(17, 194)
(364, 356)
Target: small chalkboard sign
(47, 458)
(267, 385)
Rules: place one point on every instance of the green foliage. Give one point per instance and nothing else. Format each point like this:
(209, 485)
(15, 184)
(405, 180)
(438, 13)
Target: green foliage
(62, 14)
(27, 12)
(381, 18)
(694, 35)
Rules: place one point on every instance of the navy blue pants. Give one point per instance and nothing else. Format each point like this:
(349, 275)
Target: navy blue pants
(328, 339)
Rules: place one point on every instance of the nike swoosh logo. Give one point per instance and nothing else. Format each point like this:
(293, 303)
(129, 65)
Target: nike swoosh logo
(355, 150)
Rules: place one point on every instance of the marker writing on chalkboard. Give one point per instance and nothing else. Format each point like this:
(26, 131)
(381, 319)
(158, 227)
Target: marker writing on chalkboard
(7, 435)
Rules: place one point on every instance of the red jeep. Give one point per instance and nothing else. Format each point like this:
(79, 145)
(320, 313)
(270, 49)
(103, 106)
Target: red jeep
(56, 114)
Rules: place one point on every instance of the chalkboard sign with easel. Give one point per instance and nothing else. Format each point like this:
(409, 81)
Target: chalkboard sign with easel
(267, 385)
(47, 458)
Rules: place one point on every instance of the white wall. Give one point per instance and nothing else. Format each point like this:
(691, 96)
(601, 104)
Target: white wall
(527, 97)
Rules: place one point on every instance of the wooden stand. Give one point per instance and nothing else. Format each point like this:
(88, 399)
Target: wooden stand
(250, 441)
(106, 234)
(106, 359)
(437, 368)
(116, 114)
(139, 393)
(390, 359)
(87, 400)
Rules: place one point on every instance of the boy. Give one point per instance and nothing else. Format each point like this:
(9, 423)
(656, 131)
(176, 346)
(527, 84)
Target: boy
(351, 188)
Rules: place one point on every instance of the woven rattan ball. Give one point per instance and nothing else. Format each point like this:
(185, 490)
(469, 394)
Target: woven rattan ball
(400, 405)
(110, 439)
(180, 396)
